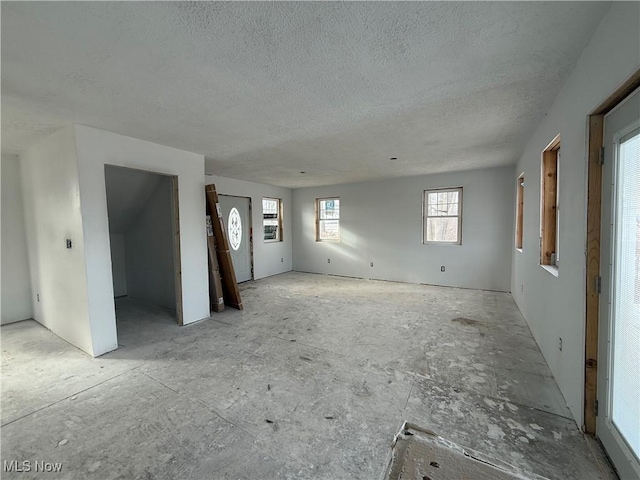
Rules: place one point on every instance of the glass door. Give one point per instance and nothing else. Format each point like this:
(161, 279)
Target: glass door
(619, 382)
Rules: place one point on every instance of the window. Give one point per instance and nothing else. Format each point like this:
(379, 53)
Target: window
(328, 219)
(443, 216)
(272, 219)
(519, 211)
(550, 208)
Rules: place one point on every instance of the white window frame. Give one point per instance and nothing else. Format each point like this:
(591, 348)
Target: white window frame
(318, 221)
(279, 218)
(426, 216)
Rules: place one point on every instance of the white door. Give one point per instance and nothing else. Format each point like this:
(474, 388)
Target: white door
(618, 424)
(237, 221)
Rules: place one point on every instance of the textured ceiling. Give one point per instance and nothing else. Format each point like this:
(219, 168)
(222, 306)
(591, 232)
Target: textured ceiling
(267, 90)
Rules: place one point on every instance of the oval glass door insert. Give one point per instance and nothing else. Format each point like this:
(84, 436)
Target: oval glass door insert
(235, 229)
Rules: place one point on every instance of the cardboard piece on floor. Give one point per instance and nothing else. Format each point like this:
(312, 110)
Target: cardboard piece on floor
(230, 290)
(215, 283)
(418, 453)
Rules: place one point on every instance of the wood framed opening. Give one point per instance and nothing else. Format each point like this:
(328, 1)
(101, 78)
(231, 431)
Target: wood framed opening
(144, 237)
(594, 204)
(328, 219)
(442, 216)
(549, 208)
(272, 219)
(519, 211)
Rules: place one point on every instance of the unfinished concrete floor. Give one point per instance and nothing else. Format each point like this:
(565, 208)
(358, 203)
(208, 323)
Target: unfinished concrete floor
(311, 380)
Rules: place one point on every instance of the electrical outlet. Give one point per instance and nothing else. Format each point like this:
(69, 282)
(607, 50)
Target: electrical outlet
(560, 343)
(69, 243)
(328, 260)
(281, 259)
(371, 264)
(442, 268)
(38, 297)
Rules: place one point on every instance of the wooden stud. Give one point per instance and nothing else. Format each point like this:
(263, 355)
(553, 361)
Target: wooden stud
(280, 220)
(628, 87)
(177, 261)
(520, 212)
(216, 297)
(318, 219)
(594, 199)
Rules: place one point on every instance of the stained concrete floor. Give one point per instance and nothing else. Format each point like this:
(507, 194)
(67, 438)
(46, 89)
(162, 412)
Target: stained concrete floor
(311, 380)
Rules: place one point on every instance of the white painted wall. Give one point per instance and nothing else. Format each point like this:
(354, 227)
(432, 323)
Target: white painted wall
(381, 222)
(268, 258)
(555, 307)
(51, 195)
(118, 264)
(149, 250)
(97, 148)
(16, 284)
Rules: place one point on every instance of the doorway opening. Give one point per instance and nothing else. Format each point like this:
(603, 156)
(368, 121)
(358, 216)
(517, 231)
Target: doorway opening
(143, 216)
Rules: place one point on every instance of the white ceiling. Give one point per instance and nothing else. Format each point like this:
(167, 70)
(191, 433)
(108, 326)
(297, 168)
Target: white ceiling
(267, 90)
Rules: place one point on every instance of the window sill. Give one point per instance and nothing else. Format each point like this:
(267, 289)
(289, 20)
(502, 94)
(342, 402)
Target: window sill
(443, 244)
(552, 269)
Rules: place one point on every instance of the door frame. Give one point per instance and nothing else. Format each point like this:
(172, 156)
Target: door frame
(250, 229)
(594, 219)
(177, 259)
(175, 217)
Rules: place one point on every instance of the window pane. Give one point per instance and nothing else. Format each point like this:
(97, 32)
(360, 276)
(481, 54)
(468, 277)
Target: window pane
(625, 355)
(329, 209)
(270, 207)
(270, 232)
(329, 230)
(442, 216)
(440, 209)
(270, 218)
(442, 230)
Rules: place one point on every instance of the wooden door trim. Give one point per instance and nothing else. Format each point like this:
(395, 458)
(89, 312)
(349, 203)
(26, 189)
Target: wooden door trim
(177, 259)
